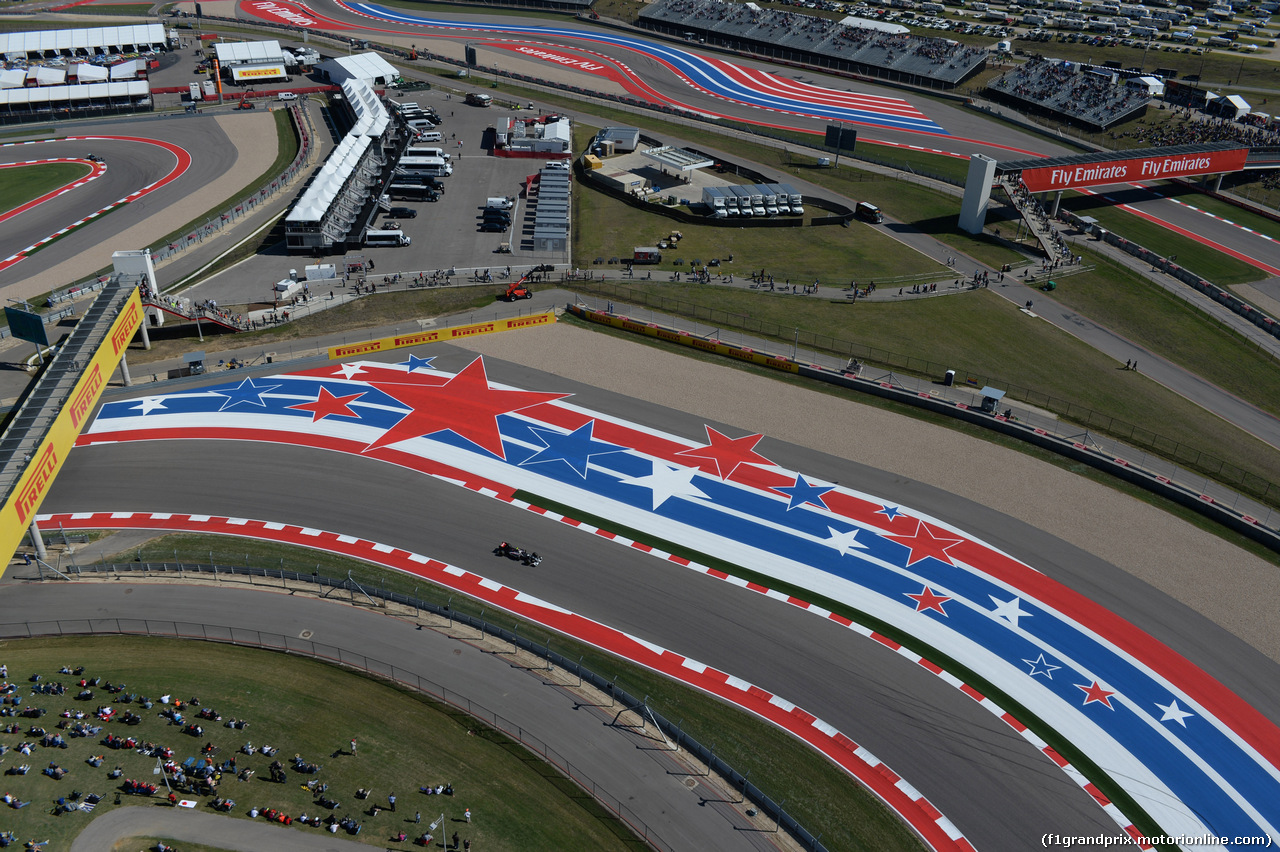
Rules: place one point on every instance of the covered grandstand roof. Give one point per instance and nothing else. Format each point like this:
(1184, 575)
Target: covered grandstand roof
(242, 52)
(369, 67)
(62, 94)
(20, 44)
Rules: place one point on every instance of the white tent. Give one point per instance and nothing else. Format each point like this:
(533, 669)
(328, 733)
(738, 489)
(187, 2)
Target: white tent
(369, 67)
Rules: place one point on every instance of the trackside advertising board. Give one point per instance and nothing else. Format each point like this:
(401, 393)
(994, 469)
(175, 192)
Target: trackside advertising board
(1123, 171)
(684, 338)
(440, 335)
(44, 464)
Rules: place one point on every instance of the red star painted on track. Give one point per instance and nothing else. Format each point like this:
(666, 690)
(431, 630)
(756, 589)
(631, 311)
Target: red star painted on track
(1094, 692)
(724, 454)
(924, 543)
(326, 404)
(465, 405)
(928, 599)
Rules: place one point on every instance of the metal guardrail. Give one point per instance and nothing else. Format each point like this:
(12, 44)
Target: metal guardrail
(289, 644)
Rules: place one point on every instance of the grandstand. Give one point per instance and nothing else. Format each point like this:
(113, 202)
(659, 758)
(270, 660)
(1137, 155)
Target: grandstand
(1067, 91)
(816, 41)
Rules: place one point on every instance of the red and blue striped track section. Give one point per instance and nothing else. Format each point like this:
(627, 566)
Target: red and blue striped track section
(717, 77)
(1195, 757)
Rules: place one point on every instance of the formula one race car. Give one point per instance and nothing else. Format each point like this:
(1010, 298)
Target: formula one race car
(522, 556)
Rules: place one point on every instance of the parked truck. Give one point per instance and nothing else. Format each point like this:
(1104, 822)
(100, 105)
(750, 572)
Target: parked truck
(646, 254)
(210, 91)
(194, 90)
(713, 199)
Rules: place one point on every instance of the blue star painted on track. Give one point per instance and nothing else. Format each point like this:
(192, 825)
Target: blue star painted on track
(802, 492)
(574, 449)
(889, 512)
(415, 362)
(246, 391)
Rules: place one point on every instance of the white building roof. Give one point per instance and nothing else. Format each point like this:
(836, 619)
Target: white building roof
(872, 24)
(86, 39)
(14, 78)
(329, 181)
(240, 52)
(369, 67)
(87, 73)
(371, 115)
(60, 94)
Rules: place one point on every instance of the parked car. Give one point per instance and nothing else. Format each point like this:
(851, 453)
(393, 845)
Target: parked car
(402, 212)
(491, 225)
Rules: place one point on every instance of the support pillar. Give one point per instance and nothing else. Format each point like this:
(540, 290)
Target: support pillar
(977, 193)
(1217, 184)
(146, 336)
(124, 370)
(37, 541)
(1057, 200)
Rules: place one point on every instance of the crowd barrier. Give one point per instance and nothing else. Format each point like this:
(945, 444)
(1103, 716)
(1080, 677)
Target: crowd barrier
(1186, 276)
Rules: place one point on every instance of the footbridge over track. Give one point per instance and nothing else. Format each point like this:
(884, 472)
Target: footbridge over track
(1103, 168)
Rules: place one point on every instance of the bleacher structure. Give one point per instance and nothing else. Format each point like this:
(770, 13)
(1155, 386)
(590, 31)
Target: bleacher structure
(811, 40)
(1066, 90)
(336, 207)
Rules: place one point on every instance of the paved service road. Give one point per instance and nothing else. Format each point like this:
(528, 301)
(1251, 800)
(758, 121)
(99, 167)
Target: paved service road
(997, 788)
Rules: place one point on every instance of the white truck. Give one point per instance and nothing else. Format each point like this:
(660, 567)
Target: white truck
(376, 237)
(194, 91)
(210, 91)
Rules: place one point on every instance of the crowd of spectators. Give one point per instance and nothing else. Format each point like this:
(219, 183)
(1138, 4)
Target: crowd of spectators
(772, 29)
(203, 775)
(1198, 129)
(1066, 89)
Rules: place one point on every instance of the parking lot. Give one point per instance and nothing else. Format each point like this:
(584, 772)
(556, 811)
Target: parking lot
(445, 232)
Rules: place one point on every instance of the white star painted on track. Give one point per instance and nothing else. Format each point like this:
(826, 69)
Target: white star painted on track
(1174, 713)
(1008, 610)
(667, 481)
(843, 542)
(149, 403)
(1041, 666)
(349, 370)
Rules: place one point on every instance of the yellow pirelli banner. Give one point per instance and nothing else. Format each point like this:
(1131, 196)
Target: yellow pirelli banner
(46, 461)
(439, 335)
(684, 338)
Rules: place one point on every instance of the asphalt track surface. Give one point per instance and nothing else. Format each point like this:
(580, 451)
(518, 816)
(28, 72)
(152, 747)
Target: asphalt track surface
(999, 790)
(131, 166)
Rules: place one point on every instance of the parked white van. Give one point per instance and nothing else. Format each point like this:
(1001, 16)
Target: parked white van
(425, 135)
(287, 96)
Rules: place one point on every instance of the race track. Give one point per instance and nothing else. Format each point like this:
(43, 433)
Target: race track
(992, 783)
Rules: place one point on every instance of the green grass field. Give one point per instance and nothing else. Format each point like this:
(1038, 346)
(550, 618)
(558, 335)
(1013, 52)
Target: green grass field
(820, 795)
(294, 704)
(829, 253)
(21, 184)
